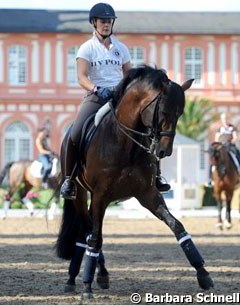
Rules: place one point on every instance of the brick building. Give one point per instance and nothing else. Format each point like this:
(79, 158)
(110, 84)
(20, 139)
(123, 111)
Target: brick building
(38, 74)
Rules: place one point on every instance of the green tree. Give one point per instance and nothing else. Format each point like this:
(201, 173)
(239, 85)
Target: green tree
(196, 119)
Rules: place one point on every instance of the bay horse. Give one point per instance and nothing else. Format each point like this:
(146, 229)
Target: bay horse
(22, 172)
(121, 162)
(225, 177)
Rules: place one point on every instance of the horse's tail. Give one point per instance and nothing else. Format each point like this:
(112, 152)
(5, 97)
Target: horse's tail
(69, 230)
(5, 171)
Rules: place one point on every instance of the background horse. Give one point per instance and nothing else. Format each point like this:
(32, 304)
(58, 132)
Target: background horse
(21, 172)
(225, 177)
(121, 163)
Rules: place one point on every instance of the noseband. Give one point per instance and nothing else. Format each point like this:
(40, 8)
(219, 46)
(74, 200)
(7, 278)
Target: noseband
(153, 134)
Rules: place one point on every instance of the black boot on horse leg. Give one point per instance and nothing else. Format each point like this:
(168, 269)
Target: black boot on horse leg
(185, 241)
(102, 273)
(75, 266)
(92, 256)
(195, 259)
(68, 188)
(160, 184)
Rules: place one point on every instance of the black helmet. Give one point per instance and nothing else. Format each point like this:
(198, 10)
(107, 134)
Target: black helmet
(102, 11)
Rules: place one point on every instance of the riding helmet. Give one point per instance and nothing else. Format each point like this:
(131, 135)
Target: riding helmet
(102, 11)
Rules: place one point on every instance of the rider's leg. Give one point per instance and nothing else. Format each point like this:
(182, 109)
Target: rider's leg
(89, 106)
(45, 169)
(210, 175)
(161, 185)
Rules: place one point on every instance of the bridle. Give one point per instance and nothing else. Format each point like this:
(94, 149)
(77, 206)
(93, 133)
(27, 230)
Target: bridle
(152, 134)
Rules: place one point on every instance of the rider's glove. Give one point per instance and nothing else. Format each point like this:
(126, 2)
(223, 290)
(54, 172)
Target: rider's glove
(104, 93)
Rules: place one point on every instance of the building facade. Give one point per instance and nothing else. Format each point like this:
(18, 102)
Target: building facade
(38, 84)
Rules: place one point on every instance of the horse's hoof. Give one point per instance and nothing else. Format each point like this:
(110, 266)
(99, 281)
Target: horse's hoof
(103, 281)
(204, 279)
(87, 296)
(219, 226)
(227, 225)
(87, 293)
(69, 288)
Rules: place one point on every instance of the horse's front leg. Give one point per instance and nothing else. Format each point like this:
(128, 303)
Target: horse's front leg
(93, 251)
(228, 220)
(219, 205)
(156, 204)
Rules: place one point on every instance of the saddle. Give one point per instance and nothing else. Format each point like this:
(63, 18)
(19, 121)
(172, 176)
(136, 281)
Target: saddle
(89, 128)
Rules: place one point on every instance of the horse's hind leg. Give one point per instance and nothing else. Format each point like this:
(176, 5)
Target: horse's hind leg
(75, 264)
(94, 245)
(158, 207)
(102, 273)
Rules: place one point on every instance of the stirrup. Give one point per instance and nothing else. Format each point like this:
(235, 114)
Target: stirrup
(69, 189)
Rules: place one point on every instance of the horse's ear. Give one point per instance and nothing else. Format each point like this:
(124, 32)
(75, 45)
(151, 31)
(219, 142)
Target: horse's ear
(187, 84)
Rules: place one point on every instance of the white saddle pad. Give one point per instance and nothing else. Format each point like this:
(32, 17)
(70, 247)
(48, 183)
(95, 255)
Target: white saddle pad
(36, 168)
(100, 113)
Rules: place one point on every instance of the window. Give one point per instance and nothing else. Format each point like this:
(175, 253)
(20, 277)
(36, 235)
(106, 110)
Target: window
(137, 56)
(194, 64)
(71, 66)
(17, 65)
(17, 142)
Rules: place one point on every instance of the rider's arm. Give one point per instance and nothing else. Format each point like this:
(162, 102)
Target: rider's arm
(83, 73)
(40, 148)
(234, 137)
(127, 66)
(217, 136)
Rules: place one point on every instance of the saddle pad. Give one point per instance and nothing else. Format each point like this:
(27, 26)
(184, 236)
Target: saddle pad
(89, 129)
(101, 113)
(36, 168)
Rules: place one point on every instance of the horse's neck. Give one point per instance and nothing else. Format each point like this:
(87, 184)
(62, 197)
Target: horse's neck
(127, 115)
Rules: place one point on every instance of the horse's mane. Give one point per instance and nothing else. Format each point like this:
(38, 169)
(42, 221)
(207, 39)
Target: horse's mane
(153, 77)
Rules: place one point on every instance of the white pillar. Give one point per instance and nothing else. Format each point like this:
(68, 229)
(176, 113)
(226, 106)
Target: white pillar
(164, 56)
(1, 62)
(222, 64)
(59, 62)
(47, 62)
(152, 54)
(211, 64)
(35, 61)
(176, 62)
(234, 63)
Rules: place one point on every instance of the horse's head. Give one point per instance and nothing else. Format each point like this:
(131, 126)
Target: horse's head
(149, 100)
(218, 153)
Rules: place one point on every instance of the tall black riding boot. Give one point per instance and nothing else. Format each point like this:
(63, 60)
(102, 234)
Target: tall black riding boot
(69, 188)
(161, 185)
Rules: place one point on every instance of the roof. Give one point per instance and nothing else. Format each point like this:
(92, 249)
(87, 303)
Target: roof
(60, 21)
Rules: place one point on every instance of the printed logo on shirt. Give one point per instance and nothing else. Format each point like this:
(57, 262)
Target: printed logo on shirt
(116, 53)
(105, 62)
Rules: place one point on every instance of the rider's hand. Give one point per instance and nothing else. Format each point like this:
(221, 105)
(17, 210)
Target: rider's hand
(52, 153)
(104, 93)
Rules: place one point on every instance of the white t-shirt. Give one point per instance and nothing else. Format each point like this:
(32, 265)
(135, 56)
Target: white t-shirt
(105, 68)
